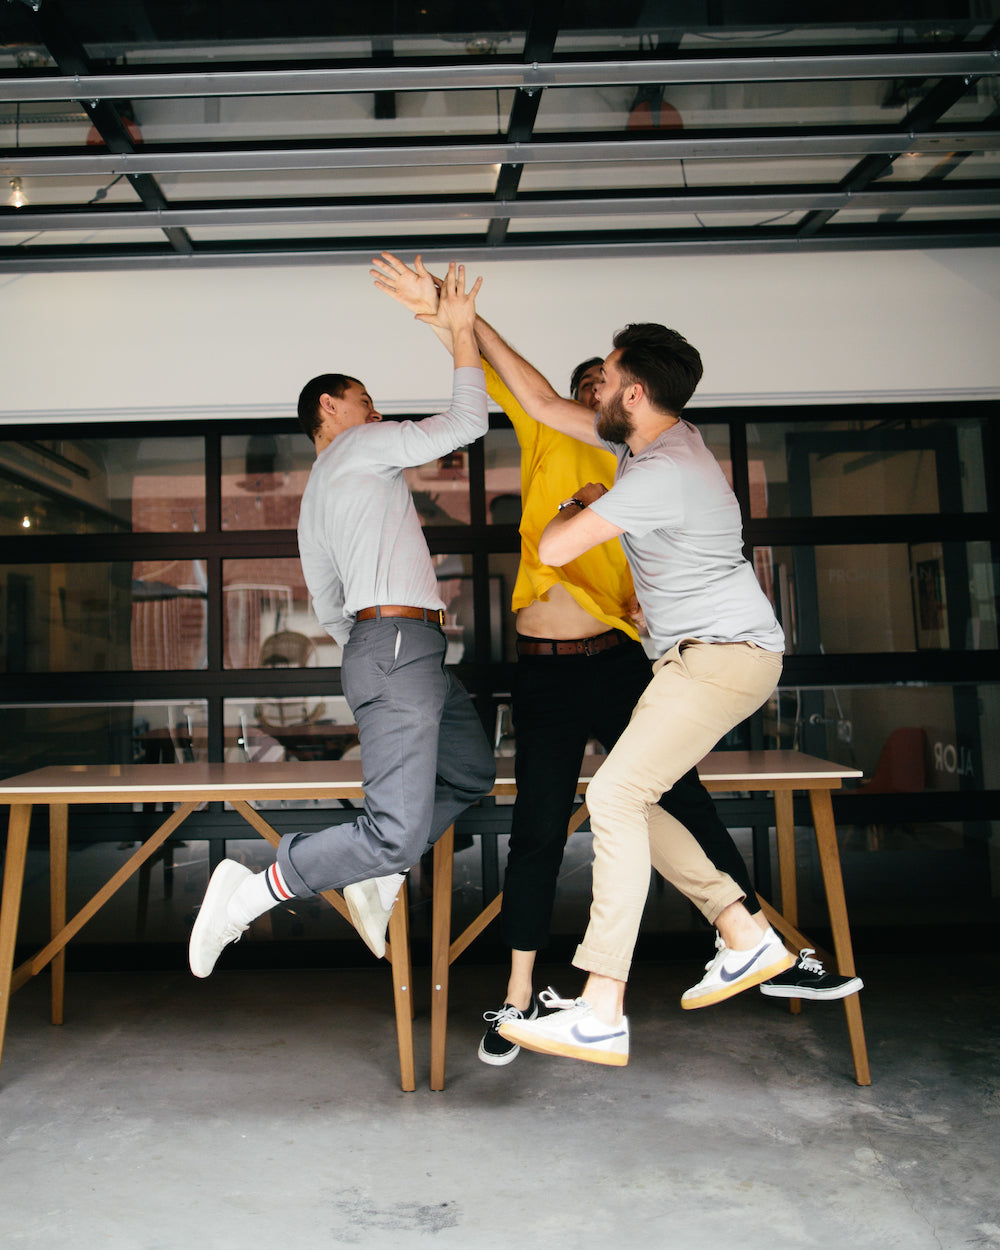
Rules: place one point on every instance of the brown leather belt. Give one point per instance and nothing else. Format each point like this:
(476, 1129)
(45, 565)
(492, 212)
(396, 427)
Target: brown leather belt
(433, 616)
(569, 646)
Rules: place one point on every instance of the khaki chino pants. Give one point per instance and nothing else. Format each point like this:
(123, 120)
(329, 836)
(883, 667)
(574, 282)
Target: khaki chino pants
(699, 692)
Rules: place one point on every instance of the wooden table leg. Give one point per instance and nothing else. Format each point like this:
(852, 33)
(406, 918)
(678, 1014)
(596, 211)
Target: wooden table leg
(58, 856)
(833, 881)
(444, 855)
(784, 827)
(10, 903)
(402, 981)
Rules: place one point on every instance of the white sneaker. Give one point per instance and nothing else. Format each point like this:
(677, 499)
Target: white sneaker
(370, 904)
(572, 1030)
(730, 971)
(213, 929)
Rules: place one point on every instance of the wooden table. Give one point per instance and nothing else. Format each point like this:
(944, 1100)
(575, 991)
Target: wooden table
(780, 772)
(189, 785)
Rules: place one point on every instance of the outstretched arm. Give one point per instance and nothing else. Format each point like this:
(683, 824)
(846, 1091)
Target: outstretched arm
(532, 391)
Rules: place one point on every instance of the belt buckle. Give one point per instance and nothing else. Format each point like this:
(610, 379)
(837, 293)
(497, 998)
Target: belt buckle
(588, 646)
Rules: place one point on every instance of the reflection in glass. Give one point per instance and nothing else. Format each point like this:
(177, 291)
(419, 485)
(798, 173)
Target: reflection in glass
(724, 105)
(102, 486)
(839, 468)
(103, 617)
(905, 739)
(885, 597)
(502, 455)
(267, 617)
(263, 477)
(141, 732)
(307, 727)
(455, 586)
(441, 489)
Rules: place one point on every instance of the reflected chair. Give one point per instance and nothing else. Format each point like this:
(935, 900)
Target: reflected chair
(901, 769)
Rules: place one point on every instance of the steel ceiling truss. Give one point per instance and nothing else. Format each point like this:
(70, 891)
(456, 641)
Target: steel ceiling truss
(937, 79)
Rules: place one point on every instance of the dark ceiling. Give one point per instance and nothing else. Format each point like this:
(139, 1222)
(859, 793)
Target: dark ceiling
(139, 133)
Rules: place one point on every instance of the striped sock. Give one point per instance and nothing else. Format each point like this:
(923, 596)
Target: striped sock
(258, 894)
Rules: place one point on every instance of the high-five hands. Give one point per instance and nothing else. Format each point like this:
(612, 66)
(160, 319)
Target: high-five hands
(456, 307)
(415, 288)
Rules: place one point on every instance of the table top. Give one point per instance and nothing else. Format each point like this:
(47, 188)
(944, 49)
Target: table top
(287, 779)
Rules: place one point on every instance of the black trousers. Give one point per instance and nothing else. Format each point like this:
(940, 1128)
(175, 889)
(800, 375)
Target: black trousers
(559, 702)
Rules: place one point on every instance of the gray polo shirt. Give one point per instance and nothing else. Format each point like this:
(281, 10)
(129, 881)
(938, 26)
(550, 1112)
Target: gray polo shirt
(683, 537)
(360, 539)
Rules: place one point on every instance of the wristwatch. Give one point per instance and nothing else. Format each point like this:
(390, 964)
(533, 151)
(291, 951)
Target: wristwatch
(566, 503)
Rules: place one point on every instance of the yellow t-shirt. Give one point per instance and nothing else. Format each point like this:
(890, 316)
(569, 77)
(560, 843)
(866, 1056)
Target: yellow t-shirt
(553, 465)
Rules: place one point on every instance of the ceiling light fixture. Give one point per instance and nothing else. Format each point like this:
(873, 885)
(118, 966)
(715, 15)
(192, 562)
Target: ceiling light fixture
(17, 198)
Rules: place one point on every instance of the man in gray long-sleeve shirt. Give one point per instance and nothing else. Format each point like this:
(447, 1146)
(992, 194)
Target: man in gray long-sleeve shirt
(424, 755)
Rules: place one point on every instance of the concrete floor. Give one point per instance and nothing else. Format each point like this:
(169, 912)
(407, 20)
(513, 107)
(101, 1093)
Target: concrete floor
(263, 1107)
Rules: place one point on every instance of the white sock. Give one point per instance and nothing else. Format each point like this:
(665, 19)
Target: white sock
(257, 895)
(388, 888)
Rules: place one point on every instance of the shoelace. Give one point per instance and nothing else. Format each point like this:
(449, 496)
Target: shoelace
(549, 998)
(506, 1012)
(807, 964)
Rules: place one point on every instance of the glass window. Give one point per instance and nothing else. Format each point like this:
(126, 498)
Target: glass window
(502, 455)
(905, 739)
(103, 617)
(263, 477)
(883, 596)
(265, 729)
(895, 465)
(441, 489)
(139, 732)
(100, 486)
(267, 617)
(456, 588)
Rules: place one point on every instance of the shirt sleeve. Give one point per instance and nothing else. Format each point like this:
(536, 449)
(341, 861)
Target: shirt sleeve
(647, 498)
(404, 444)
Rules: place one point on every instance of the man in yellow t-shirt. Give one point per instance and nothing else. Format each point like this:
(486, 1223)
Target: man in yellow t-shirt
(580, 672)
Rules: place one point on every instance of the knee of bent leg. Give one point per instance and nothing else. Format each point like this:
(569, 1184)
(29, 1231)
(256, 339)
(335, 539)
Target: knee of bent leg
(605, 795)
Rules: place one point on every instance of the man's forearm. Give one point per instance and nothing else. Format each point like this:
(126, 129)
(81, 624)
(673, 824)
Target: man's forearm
(531, 390)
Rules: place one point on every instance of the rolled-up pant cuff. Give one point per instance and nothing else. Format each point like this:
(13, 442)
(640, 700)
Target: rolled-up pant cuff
(601, 965)
(720, 900)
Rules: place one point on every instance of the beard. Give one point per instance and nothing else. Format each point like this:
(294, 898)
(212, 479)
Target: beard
(614, 424)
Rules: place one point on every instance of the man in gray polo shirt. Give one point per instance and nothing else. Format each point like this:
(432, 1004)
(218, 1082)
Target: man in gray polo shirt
(720, 658)
(424, 755)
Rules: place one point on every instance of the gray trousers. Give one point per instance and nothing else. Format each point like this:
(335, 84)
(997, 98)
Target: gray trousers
(424, 759)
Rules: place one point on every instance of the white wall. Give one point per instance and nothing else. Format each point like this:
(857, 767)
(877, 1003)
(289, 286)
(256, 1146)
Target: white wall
(240, 342)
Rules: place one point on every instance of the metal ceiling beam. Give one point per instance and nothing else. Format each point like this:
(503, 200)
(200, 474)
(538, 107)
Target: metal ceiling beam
(967, 195)
(58, 36)
(684, 145)
(494, 75)
(539, 44)
(645, 246)
(926, 113)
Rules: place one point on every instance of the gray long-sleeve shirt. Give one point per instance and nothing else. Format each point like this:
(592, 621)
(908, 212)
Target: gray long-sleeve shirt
(360, 539)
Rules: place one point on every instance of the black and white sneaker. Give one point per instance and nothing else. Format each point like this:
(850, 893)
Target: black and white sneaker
(809, 979)
(496, 1049)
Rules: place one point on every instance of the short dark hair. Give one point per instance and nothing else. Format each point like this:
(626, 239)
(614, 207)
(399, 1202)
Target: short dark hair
(580, 370)
(326, 384)
(662, 361)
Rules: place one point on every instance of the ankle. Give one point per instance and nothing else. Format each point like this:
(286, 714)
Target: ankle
(519, 997)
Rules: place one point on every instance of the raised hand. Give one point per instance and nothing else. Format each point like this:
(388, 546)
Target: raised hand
(456, 309)
(456, 316)
(416, 289)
